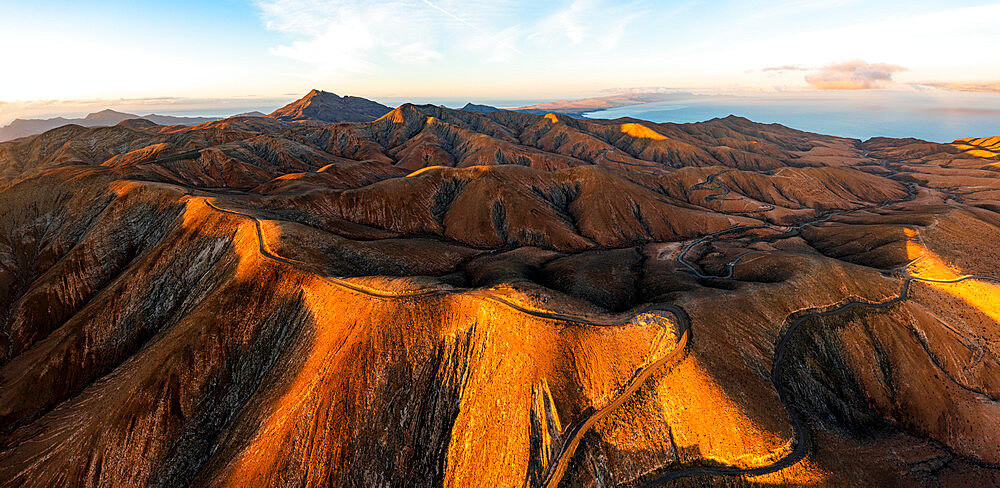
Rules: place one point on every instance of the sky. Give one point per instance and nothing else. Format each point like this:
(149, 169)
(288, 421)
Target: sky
(226, 56)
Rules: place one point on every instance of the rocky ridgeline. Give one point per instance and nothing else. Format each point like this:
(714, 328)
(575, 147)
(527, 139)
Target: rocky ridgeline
(334, 296)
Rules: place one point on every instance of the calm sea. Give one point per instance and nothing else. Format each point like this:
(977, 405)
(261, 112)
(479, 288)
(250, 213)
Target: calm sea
(936, 116)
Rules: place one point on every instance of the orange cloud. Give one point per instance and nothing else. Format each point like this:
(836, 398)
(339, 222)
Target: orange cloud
(853, 75)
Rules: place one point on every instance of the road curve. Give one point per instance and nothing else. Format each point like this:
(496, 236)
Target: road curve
(801, 435)
(364, 290)
(604, 153)
(579, 428)
(787, 231)
(575, 433)
(765, 207)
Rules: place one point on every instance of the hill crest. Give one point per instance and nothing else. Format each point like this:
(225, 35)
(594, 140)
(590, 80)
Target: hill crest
(323, 106)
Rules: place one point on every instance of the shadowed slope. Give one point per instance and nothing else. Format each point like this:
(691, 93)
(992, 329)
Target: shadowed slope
(459, 298)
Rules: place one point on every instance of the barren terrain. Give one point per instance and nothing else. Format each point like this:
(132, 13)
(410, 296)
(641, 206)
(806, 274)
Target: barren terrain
(439, 297)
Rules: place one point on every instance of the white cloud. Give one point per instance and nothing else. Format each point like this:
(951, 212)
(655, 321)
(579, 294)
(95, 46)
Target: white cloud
(357, 36)
(570, 21)
(584, 22)
(340, 46)
(853, 75)
(338, 36)
(417, 53)
(947, 39)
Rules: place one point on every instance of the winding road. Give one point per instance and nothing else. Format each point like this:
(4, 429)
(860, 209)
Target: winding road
(767, 207)
(786, 231)
(603, 153)
(801, 434)
(372, 292)
(574, 433)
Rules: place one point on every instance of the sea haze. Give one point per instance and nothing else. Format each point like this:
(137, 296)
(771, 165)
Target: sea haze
(933, 115)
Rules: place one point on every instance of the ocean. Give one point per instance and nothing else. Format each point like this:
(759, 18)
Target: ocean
(929, 115)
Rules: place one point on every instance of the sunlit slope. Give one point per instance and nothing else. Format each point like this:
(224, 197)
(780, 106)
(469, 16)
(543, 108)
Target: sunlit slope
(285, 363)
(448, 298)
(984, 147)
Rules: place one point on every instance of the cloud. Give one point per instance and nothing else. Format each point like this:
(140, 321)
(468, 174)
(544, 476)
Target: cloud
(853, 75)
(787, 67)
(351, 36)
(343, 36)
(602, 24)
(980, 87)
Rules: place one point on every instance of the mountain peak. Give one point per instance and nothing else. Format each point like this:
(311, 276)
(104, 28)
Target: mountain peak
(323, 106)
(474, 107)
(319, 93)
(110, 116)
(108, 111)
(254, 113)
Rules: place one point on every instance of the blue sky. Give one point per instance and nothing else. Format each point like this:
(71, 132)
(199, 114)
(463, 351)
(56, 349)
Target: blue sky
(189, 55)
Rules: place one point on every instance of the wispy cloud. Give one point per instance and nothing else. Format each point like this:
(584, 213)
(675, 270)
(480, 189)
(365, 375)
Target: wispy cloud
(338, 36)
(853, 75)
(343, 36)
(599, 23)
(980, 87)
(493, 37)
(787, 67)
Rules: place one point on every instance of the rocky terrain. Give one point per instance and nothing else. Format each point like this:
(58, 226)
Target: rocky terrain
(328, 296)
(318, 107)
(321, 106)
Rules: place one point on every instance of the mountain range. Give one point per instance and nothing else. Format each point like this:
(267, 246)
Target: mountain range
(28, 127)
(440, 297)
(316, 106)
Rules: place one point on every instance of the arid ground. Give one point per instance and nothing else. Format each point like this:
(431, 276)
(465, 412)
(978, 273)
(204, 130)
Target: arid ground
(329, 296)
